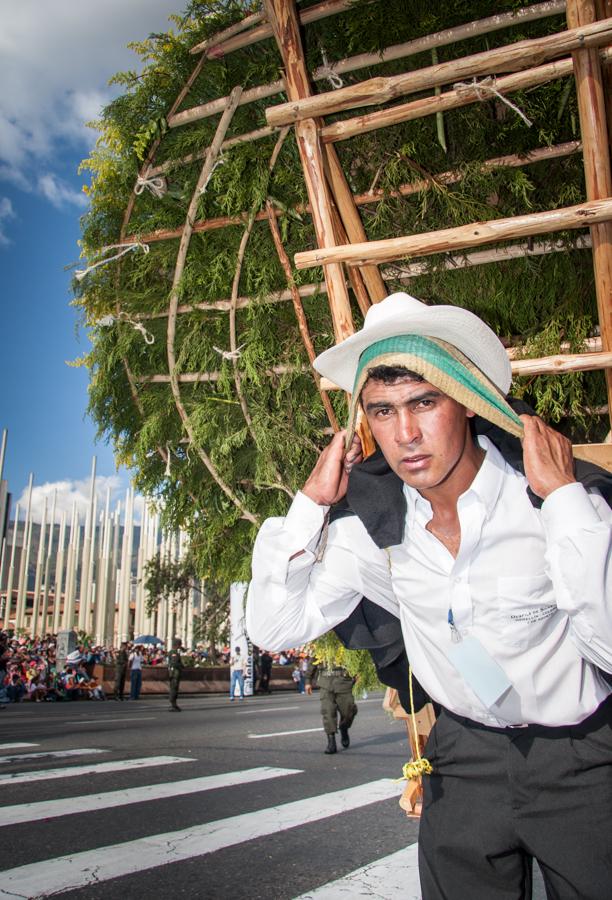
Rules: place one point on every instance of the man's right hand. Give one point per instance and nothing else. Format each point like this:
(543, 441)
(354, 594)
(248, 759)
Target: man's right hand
(328, 480)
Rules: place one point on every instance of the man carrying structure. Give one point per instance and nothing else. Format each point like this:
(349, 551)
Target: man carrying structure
(499, 574)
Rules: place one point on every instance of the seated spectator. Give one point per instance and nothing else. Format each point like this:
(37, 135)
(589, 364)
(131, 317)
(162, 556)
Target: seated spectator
(16, 688)
(36, 690)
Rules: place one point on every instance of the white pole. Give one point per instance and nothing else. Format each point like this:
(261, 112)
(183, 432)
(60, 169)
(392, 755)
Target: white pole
(114, 610)
(59, 583)
(103, 579)
(3, 451)
(126, 568)
(22, 586)
(39, 572)
(71, 561)
(85, 591)
(11, 572)
(2, 565)
(45, 597)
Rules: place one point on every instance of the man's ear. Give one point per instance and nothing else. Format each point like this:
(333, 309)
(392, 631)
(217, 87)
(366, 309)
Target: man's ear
(469, 413)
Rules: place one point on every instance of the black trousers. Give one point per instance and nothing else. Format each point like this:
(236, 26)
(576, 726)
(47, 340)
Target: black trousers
(500, 797)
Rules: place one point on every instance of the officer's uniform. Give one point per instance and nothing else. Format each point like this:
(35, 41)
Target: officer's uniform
(336, 687)
(121, 661)
(175, 667)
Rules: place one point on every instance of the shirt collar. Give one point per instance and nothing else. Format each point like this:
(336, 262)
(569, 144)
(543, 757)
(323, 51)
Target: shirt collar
(485, 488)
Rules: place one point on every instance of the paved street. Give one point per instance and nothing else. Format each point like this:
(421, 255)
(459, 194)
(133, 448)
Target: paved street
(222, 801)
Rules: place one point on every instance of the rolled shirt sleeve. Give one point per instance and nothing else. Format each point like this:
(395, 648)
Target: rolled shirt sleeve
(579, 537)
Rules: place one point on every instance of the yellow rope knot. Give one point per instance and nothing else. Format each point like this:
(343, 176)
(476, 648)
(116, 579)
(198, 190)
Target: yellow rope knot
(415, 768)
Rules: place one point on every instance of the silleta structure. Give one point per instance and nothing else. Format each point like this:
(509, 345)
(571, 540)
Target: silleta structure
(90, 576)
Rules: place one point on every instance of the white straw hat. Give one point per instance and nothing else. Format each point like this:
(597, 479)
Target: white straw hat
(402, 314)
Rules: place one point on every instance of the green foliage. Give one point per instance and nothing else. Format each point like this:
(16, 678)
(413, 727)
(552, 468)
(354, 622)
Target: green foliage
(543, 300)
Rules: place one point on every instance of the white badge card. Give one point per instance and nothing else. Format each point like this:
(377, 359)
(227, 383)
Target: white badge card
(479, 670)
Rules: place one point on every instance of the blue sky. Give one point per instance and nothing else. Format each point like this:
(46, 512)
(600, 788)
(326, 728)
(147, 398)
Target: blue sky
(56, 57)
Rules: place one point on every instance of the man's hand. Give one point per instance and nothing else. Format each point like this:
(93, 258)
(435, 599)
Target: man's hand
(308, 688)
(329, 479)
(547, 456)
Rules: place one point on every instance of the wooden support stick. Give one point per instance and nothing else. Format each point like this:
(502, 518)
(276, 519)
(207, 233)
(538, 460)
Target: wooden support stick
(397, 51)
(596, 153)
(347, 209)
(513, 160)
(283, 18)
(246, 138)
(510, 58)
(313, 14)
(227, 33)
(401, 273)
(449, 239)
(300, 315)
(463, 96)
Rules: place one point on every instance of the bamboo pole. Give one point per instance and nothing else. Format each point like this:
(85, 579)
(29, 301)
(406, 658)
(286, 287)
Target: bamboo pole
(11, 571)
(473, 235)
(453, 99)
(596, 154)
(510, 58)
(299, 312)
(512, 160)
(178, 273)
(389, 54)
(283, 19)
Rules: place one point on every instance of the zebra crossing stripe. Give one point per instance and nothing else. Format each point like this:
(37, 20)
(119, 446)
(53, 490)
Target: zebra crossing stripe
(16, 746)
(50, 809)
(17, 757)
(255, 737)
(93, 769)
(395, 877)
(95, 866)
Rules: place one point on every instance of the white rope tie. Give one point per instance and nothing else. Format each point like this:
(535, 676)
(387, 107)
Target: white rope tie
(327, 71)
(107, 321)
(485, 88)
(125, 248)
(218, 162)
(167, 472)
(156, 184)
(230, 354)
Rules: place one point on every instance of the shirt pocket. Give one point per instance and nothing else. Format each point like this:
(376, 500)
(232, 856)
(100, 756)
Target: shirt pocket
(526, 609)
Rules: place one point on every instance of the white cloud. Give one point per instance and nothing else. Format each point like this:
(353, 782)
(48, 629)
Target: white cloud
(6, 214)
(58, 193)
(56, 57)
(67, 493)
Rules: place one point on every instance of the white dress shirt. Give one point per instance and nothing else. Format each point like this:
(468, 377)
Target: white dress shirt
(531, 585)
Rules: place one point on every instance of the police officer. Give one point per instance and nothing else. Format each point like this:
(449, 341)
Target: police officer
(175, 667)
(336, 687)
(121, 661)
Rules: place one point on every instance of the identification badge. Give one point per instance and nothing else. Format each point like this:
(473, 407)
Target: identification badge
(479, 670)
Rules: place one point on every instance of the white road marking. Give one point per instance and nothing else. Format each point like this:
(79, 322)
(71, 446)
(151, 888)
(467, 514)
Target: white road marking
(95, 866)
(281, 733)
(16, 746)
(17, 757)
(252, 712)
(395, 877)
(93, 769)
(50, 809)
(103, 720)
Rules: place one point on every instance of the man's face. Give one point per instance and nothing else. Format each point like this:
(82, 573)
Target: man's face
(423, 433)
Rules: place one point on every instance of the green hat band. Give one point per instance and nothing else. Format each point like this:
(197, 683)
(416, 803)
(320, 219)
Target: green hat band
(445, 367)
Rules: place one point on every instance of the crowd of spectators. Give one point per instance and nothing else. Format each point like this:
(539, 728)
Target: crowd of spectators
(28, 669)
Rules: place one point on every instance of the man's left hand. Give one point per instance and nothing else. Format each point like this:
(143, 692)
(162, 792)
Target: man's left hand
(547, 456)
